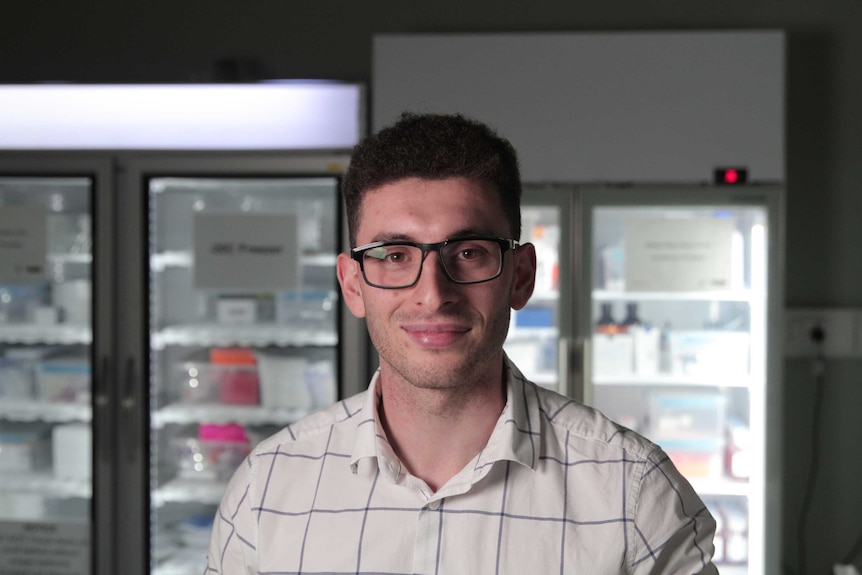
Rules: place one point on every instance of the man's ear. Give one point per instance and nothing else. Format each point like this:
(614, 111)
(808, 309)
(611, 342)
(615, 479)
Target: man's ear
(350, 278)
(525, 275)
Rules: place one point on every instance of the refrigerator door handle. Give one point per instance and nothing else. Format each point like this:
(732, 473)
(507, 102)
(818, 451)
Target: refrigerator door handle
(129, 408)
(101, 404)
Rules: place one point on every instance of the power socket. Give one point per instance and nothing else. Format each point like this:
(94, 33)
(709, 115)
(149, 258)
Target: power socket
(839, 327)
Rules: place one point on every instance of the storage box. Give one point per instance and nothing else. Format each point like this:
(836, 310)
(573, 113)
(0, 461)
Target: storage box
(24, 447)
(72, 445)
(201, 382)
(690, 429)
(613, 354)
(63, 379)
(709, 352)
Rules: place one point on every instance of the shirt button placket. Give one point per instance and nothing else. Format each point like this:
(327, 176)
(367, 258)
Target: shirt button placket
(427, 537)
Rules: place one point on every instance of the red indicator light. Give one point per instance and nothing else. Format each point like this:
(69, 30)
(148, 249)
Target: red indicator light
(731, 176)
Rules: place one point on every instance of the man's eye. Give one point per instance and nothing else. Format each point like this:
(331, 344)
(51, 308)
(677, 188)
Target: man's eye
(396, 257)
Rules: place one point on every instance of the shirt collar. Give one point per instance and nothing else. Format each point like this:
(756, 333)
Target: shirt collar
(515, 436)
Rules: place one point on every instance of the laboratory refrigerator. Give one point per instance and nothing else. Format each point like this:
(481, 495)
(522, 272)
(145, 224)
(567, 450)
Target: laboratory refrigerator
(660, 305)
(160, 313)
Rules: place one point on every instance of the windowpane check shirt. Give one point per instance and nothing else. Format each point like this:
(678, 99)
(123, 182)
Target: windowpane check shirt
(558, 488)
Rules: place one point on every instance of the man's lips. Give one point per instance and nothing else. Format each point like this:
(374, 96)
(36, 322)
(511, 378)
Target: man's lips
(435, 335)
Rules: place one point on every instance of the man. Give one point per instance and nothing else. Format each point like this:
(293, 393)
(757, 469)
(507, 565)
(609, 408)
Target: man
(451, 462)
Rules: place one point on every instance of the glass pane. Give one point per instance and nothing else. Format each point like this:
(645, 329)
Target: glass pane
(534, 331)
(243, 332)
(678, 346)
(45, 365)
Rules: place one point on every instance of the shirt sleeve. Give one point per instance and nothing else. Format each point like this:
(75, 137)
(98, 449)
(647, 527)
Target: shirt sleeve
(672, 531)
(232, 549)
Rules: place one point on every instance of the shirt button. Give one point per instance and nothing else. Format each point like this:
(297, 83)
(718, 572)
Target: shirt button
(434, 505)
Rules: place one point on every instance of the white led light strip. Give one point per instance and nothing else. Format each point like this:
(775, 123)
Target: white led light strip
(272, 116)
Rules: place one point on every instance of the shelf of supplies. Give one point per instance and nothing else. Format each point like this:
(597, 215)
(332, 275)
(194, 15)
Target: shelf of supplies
(186, 413)
(254, 335)
(188, 491)
(185, 259)
(702, 380)
(34, 410)
(724, 295)
(60, 334)
(70, 258)
(45, 483)
(719, 486)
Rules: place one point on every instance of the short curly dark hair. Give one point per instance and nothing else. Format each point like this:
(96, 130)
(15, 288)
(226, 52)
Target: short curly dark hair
(434, 147)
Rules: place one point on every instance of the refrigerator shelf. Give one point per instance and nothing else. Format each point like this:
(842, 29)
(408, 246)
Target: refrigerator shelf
(188, 491)
(61, 334)
(257, 335)
(184, 259)
(70, 258)
(709, 487)
(717, 380)
(725, 295)
(53, 412)
(186, 413)
(46, 483)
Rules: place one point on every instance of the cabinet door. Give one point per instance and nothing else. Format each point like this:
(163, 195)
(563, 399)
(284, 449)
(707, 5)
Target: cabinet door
(540, 333)
(53, 368)
(242, 331)
(676, 319)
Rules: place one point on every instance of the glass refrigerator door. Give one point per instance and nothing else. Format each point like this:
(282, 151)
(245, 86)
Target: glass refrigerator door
(537, 332)
(676, 319)
(244, 335)
(46, 336)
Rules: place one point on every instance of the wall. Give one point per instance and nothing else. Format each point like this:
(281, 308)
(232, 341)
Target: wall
(195, 40)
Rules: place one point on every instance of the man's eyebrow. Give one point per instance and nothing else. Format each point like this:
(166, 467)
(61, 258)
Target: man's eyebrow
(462, 233)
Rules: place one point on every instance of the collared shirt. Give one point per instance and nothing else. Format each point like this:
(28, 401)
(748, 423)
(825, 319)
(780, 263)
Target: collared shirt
(558, 488)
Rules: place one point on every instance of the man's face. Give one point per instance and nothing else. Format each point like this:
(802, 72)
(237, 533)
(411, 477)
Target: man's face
(437, 334)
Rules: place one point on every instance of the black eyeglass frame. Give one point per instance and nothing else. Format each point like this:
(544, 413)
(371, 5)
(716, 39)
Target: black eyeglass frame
(506, 245)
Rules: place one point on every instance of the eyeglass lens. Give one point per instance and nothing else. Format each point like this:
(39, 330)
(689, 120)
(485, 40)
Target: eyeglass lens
(465, 261)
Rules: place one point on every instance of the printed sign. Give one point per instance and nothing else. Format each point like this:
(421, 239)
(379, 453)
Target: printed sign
(246, 252)
(44, 549)
(23, 244)
(678, 255)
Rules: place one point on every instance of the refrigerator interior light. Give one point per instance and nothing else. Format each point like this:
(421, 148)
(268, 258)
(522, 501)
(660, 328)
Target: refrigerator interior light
(260, 116)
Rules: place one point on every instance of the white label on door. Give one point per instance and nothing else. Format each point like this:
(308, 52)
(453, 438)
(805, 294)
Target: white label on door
(38, 548)
(678, 255)
(248, 252)
(23, 243)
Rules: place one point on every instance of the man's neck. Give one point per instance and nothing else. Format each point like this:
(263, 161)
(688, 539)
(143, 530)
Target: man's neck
(436, 432)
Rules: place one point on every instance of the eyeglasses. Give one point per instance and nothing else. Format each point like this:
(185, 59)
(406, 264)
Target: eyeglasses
(396, 265)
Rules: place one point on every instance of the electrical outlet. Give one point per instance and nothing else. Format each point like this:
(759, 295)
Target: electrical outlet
(839, 327)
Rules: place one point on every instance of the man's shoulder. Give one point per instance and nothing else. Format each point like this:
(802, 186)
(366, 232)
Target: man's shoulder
(577, 423)
(316, 425)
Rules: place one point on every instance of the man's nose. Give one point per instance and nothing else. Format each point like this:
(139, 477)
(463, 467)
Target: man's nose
(434, 287)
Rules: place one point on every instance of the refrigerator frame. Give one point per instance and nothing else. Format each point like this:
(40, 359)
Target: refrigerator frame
(133, 406)
(98, 166)
(772, 197)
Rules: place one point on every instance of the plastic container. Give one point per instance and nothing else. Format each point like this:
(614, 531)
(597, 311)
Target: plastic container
(235, 374)
(214, 455)
(202, 382)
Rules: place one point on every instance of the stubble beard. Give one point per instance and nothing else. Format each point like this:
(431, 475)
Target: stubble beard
(470, 370)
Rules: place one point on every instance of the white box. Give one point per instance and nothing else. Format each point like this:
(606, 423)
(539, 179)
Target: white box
(710, 352)
(236, 311)
(613, 354)
(73, 451)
